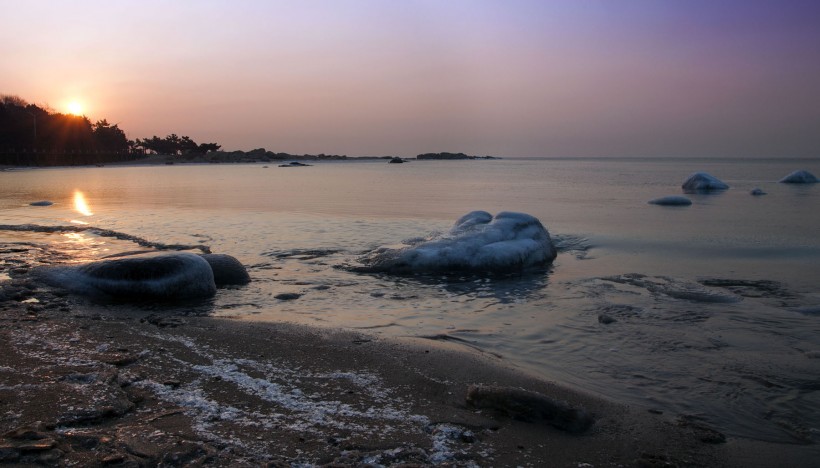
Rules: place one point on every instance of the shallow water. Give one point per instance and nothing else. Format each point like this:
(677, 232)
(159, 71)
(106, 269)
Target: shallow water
(712, 306)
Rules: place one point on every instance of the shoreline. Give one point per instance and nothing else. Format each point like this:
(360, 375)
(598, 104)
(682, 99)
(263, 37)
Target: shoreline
(93, 384)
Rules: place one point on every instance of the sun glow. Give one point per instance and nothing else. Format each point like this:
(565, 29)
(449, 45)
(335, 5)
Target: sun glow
(80, 205)
(75, 107)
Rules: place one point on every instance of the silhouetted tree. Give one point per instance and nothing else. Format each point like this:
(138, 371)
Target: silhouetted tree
(109, 137)
(32, 134)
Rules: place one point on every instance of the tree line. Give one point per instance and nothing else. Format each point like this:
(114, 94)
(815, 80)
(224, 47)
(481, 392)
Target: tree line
(36, 135)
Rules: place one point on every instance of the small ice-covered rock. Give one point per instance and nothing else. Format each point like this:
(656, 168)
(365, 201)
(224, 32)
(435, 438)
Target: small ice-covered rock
(757, 192)
(139, 277)
(477, 242)
(799, 177)
(703, 182)
(672, 200)
(42, 203)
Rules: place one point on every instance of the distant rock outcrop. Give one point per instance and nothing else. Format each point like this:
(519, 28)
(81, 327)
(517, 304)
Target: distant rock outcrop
(451, 156)
(703, 182)
(799, 177)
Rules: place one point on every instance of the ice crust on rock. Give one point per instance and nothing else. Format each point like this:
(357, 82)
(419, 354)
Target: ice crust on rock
(478, 242)
(672, 200)
(139, 277)
(800, 177)
(703, 182)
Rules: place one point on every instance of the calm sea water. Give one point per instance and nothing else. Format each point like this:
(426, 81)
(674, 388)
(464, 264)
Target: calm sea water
(716, 306)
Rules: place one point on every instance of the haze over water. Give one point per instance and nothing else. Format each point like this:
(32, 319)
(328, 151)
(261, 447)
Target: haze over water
(715, 305)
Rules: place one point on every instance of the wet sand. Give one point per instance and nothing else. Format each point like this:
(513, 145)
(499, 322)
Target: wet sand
(88, 384)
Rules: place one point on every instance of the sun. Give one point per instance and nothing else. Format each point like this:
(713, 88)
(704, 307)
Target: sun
(75, 108)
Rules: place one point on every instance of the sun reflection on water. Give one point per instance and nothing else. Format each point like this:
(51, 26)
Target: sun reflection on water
(80, 204)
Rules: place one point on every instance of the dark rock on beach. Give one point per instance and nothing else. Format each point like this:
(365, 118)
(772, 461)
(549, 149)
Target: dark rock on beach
(287, 296)
(529, 406)
(227, 270)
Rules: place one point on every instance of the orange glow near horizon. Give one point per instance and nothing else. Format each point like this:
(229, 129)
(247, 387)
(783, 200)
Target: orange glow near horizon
(75, 107)
(80, 205)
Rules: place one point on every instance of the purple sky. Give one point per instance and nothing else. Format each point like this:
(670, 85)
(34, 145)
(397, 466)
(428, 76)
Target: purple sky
(510, 78)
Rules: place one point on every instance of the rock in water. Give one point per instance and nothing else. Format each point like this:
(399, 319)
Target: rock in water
(227, 269)
(529, 406)
(672, 200)
(799, 177)
(757, 192)
(41, 203)
(477, 243)
(139, 277)
(703, 182)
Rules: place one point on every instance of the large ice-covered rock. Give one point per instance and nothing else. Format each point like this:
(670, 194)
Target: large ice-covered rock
(165, 276)
(477, 242)
(800, 177)
(703, 182)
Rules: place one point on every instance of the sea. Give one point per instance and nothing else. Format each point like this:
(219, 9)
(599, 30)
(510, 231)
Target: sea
(709, 312)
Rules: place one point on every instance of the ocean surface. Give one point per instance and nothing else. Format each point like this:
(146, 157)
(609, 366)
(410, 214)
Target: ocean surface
(710, 311)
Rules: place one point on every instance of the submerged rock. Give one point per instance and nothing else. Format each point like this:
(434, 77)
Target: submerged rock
(529, 406)
(477, 242)
(703, 182)
(139, 277)
(287, 296)
(227, 269)
(672, 200)
(799, 177)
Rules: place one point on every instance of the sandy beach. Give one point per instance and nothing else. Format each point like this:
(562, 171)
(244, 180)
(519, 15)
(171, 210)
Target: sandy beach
(91, 384)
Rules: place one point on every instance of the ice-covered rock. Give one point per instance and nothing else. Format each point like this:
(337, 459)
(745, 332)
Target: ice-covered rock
(672, 200)
(800, 177)
(703, 182)
(477, 242)
(165, 276)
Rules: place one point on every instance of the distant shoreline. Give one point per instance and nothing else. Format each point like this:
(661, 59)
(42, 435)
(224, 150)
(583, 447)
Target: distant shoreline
(257, 156)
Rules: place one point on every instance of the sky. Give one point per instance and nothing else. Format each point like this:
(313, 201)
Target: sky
(563, 78)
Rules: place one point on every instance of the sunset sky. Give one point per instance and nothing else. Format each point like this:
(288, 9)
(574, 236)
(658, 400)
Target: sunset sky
(703, 78)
